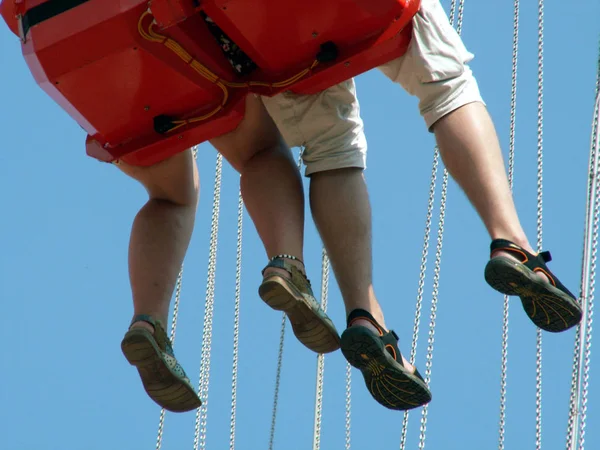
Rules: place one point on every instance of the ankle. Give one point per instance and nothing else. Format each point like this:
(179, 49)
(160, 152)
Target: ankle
(159, 320)
(296, 261)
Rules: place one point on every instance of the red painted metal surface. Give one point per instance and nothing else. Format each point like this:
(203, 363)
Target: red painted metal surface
(94, 62)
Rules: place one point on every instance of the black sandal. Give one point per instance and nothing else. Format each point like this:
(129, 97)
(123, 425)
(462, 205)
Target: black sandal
(380, 361)
(551, 306)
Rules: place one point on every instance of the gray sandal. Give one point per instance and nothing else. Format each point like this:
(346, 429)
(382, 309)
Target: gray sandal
(295, 297)
(163, 377)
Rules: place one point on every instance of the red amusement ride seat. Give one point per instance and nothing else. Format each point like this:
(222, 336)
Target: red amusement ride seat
(147, 79)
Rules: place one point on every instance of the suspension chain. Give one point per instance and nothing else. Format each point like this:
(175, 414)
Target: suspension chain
(589, 304)
(420, 289)
(178, 284)
(581, 360)
(161, 420)
(236, 320)
(321, 356)
(511, 165)
(436, 271)
(202, 412)
(540, 180)
(348, 404)
(279, 360)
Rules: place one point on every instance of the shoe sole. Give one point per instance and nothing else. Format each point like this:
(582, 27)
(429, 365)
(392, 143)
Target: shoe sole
(549, 308)
(310, 330)
(160, 383)
(387, 381)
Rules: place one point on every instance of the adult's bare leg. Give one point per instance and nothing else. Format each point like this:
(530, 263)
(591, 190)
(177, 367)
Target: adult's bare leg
(273, 194)
(160, 236)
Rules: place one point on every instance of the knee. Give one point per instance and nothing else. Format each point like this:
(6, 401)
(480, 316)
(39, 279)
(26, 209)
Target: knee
(175, 180)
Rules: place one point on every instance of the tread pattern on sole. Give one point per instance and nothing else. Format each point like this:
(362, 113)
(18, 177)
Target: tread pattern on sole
(310, 324)
(387, 381)
(548, 307)
(163, 378)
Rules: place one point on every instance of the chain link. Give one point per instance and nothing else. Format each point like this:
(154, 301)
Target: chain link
(178, 284)
(511, 165)
(279, 359)
(540, 181)
(434, 301)
(425, 254)
(236, 320)
(277, 382)
(348, 404)
(589, 303)
(420, 289)
(585, 272)
(437, 269)
(161, 420)
(202, 412)
(321, 357)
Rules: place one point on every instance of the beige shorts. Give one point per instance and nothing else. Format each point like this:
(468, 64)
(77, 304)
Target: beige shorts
(328, 125)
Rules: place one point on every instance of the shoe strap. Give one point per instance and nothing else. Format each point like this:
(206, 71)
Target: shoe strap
(160, 335)
(389, 338)
(536, 263)
(298, 278)
(523, 255)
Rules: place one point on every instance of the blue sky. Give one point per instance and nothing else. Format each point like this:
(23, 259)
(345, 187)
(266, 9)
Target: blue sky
(65, 292)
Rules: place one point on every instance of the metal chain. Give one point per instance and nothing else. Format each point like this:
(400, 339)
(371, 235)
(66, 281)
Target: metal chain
(511, 165)
(277, 382)
(236, 320)
(279, 360)
(540, 180)
(589, 304)
(348, 404)
(425, 253)
(586, 271)
(436, 271)
(434, 300)
(321, 356)
(420, 289)
(178, 284)
(202, 412)
(161, 420)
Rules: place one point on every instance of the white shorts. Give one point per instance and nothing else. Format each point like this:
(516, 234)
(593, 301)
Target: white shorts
(328, 124)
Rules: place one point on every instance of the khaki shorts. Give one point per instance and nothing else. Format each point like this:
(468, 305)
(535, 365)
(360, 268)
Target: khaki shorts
(328, 124)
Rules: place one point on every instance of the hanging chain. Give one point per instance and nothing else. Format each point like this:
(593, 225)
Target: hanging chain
(436, 271)
(321, 356)
(425, 253)
(434, 300)
(202, 412)
(423, 270)
(540, 179)
(587, 260)
(348, 404)
(511, 165)
(178, 284)
(161, 421)
(279, 360)
(277, 382)
(236, 320)
(589, 304)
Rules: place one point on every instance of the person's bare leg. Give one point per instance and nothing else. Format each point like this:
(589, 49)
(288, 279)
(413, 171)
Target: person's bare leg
(270, 181)
(161, 232)
(160, 236)
(272, 191)
(471, 152)
(340, 201)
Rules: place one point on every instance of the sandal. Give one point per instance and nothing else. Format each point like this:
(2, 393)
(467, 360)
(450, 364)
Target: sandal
(295, 297)
(380, 361)
(551, 306)
(162, 376)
